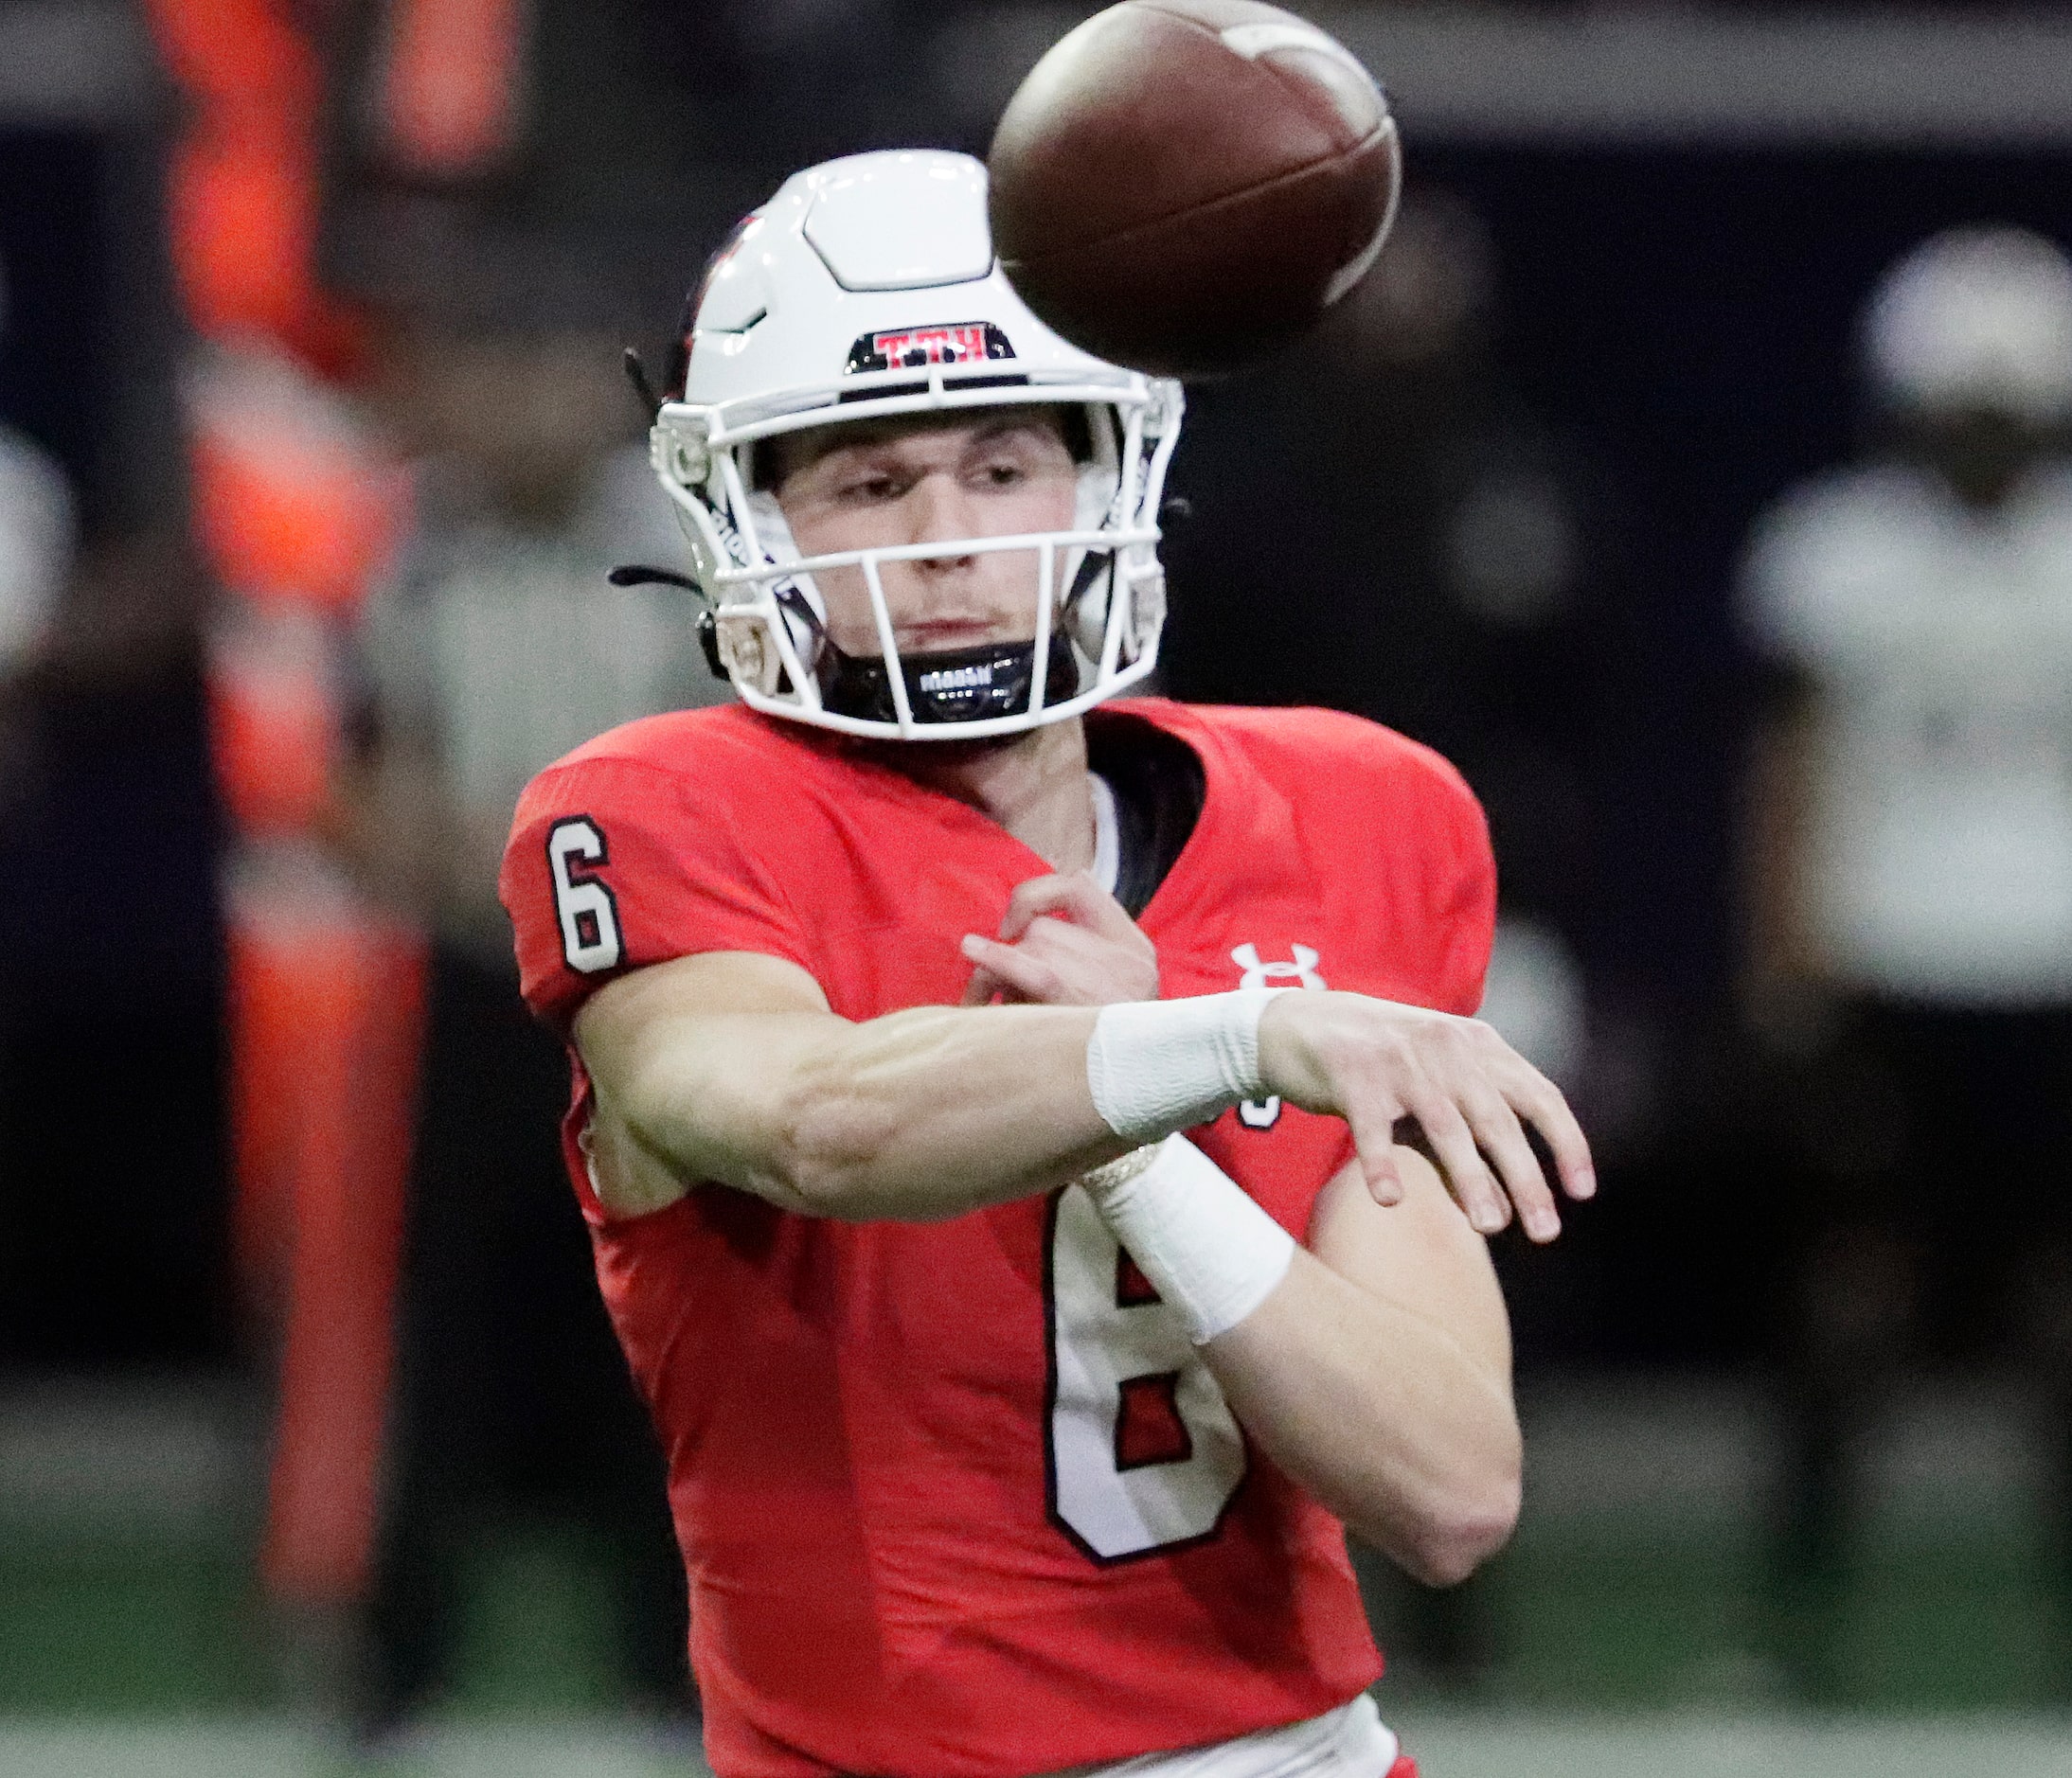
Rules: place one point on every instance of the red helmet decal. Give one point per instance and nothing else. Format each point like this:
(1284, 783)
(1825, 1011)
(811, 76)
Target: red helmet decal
(937, 342)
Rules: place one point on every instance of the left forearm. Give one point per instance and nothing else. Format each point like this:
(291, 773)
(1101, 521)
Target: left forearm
(1381, 1414)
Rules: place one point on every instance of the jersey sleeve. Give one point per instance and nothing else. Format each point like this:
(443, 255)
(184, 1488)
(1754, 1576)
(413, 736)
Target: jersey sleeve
(1463, 898)
(1436, 879)
(617, 864)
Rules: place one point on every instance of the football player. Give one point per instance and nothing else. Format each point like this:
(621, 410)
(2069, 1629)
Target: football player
(1000, 1212)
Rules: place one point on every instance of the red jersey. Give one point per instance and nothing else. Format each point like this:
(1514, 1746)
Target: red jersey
(958, 1499)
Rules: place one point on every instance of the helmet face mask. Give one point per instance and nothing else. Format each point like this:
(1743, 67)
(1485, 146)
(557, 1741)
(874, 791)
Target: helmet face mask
(866, 291)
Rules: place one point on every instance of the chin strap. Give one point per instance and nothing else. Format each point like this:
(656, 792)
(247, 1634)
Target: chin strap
(949, 686)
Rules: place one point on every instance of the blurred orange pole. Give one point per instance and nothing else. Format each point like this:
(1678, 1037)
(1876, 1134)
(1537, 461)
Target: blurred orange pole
(243, 189)
(326, 998)
(357, 1011)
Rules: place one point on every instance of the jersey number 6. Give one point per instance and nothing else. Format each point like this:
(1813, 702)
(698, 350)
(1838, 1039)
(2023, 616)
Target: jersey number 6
(1143, 1450)
(589, 917)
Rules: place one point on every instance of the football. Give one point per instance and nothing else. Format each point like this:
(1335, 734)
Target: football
(1183, 186)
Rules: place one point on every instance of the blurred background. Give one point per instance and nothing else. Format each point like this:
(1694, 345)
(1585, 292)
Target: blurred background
(1689, 471)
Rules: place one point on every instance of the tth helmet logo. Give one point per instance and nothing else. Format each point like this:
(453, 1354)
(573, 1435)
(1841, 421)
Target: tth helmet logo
(941, 343)
(1265, 1113)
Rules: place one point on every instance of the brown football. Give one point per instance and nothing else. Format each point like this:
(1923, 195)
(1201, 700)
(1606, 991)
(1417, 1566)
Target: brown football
(1183, 186)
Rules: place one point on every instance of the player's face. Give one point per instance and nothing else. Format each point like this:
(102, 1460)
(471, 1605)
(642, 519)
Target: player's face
(997, 475)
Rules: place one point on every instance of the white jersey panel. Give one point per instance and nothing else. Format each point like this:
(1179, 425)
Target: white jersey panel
(1350, 1742)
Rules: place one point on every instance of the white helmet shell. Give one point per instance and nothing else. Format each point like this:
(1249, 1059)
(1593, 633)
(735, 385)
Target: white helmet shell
(867, 288)
(1975, 318)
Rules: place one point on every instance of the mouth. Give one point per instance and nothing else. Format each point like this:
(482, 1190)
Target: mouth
(941, 634)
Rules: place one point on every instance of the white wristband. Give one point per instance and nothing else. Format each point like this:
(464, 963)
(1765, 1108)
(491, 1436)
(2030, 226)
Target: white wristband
(1155, 1066)
(1210, 1252)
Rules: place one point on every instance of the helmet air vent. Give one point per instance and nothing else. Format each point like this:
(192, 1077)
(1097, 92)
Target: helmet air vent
(901, 221)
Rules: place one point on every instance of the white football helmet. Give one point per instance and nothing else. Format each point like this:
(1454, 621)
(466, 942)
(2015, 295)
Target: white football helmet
(865, 288)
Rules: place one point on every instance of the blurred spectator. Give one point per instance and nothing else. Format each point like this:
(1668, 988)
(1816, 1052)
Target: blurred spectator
(1911, 876)
(496, 646)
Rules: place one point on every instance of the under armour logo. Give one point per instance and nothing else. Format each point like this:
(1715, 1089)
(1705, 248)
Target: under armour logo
(1256, 974)
(1265, 1113)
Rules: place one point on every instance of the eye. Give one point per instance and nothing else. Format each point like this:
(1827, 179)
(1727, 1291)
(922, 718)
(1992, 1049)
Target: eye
(868, 487)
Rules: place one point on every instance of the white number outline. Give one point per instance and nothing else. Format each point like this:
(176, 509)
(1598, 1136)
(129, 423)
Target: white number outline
(1214, 1436)
(575, 895)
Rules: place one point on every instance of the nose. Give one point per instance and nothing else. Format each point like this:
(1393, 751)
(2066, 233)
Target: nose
(941, 512)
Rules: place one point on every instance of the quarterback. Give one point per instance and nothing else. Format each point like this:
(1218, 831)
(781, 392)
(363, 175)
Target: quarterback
(987, 1086)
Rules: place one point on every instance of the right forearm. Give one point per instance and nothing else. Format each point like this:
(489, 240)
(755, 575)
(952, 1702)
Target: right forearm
(913, 1116)
(935, 1111)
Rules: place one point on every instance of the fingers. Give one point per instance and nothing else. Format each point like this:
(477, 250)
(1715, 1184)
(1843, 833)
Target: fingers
(1074, 895)
(1374, 1142)
(1014, 972)
(1081, 948)
(1502, 1140)
(1460, 1162)
(980, 989)
(1540, 1102)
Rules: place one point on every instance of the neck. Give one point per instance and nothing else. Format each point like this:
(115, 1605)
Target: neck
(1034, 785)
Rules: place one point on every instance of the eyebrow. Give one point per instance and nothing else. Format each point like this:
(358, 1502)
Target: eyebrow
(983, 435)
